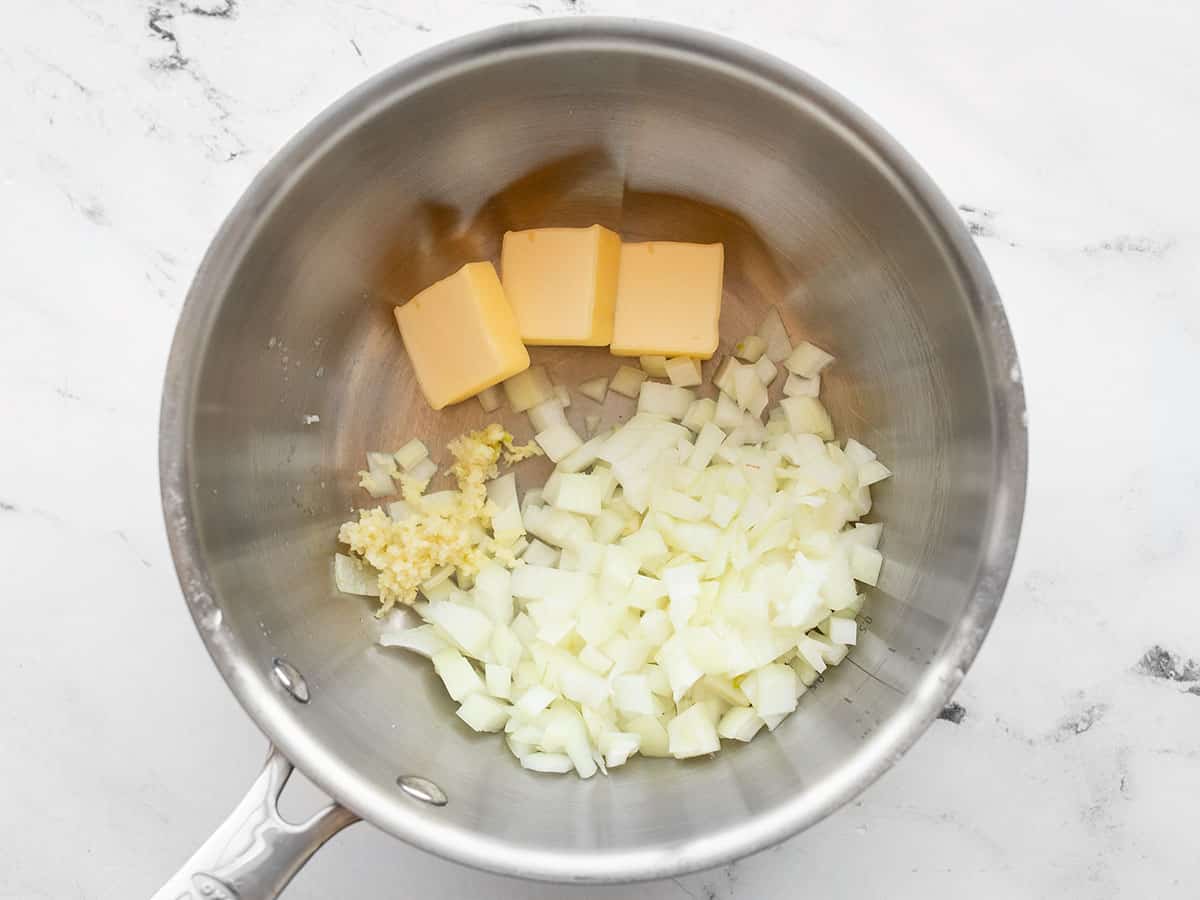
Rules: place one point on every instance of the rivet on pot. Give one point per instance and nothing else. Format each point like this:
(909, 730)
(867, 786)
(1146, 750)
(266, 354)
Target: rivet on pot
(422, 789)
(290, 678)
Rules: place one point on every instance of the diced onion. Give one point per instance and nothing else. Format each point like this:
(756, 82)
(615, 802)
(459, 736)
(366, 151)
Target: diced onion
(683, 371)
(664, 399)
(773, 332)
(424, 639)
(547, 414)
(692, 733)
(654, 366)
(457, 674)
(807, 360)
(725, 375)
(557, 441)
(483, 713)
(750, 348)
(410, 454)
(557, 763)
(627, 381)
(425, 470)
(490, 399)
(353, 576)
(766, 371)
(527, 389)
(796, 386)
(683, 578)
(594, 389)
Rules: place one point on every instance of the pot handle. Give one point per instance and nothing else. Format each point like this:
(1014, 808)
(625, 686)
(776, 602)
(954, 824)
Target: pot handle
(254, 853)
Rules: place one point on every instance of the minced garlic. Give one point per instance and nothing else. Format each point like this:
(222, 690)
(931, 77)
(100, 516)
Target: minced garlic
(408, 552)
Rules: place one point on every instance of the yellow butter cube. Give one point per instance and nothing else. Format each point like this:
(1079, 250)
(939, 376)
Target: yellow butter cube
(562, 283)
(461, 335)
(668, 299)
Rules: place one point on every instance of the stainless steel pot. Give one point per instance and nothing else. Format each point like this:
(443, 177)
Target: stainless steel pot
(654, 131)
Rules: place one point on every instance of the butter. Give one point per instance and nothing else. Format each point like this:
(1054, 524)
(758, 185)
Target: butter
(668, 299)
(562, 283)
(461, 335)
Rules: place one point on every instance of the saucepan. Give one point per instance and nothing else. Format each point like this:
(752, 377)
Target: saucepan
(286, 367)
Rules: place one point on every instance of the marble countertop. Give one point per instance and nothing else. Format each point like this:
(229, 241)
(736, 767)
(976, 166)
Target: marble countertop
(1069, 766)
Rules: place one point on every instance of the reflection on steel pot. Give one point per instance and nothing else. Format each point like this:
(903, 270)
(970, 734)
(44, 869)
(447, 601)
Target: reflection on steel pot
(652, 131)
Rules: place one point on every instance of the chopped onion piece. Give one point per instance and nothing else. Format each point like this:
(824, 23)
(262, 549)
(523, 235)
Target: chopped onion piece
(654, 366)
(492, 592)
(771, 689)
(692, 733)
(749, 390)
(812, 652)
(540, 554)
(865, 563)
(425, 471)
(457, 674)
(725, 375)
(618, 746)
(423, 639)
(627, 381)
(699, 413)
(872, 473)
(766, 371)
(563, 393)
(750, 348)
(502, 491)
(380, 463)
(728, 414)
(858, 454)
(796, 386)
(469, 628)
(807, 360)
(377, 484)
(410, 454)
(806, 415)
(547, 414)
(866, 533)
(594, 388)
(585, 455)
(490, 399)
(579, 493)
(664, 400)
(353, 576)
(652, 736)
(684, 371)
(740, 723)
(557, 441)
(773, 332)
(527, 389)
(843, 630)
(708, 442)
(507, 526)
(595, 660)
(554, 763)
(535, 699)
(483, 713)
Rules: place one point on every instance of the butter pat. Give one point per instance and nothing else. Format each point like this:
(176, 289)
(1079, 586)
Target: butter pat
(668, 299)
(562, 284)
(461, 335)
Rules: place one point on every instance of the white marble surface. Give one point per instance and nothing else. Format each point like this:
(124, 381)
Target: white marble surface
(1071, 130)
